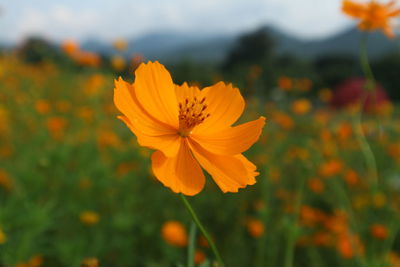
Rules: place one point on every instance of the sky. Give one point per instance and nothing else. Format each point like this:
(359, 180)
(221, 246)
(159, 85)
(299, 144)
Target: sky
(108, 20)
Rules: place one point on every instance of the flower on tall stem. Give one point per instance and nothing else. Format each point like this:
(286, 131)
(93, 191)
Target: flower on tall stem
(372, 15)
(189, 128)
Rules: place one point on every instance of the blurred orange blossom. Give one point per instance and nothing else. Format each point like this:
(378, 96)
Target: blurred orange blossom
(379, 231)
(199, 257)
(120, 44)
(174, 233)
(189, 128)
(285, 83)
(301, 106)
(255, 227)
(3, 237)
(373, 15)
(89, 217)
(70, 47)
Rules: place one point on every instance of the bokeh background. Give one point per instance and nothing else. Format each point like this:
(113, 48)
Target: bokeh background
(77, 190)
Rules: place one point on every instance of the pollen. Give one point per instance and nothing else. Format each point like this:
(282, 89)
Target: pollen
(192, 112)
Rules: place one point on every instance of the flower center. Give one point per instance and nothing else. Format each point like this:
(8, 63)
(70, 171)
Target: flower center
(191, 113)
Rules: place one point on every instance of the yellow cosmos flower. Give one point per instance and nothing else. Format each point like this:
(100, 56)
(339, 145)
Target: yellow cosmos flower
(118, 63)
(90, 262)
(373, 15)
(89, 217)
(189, 128)
(301, 106)
(3, 237)
(120, 44)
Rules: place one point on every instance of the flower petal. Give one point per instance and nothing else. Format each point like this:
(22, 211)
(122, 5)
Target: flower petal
(185, 91)
(354, 9)
(126, 101)
(394, 13)
(150, 132)
(232, 140)
(225, 104)
(168, 143)
(388, 31)
(229, 172)
(156, 92)
(181, 173)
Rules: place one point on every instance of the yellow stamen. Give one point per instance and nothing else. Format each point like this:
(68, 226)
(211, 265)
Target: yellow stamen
(191, 113)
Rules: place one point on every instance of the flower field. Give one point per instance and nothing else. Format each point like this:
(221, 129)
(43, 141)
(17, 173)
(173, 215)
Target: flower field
(77, 189)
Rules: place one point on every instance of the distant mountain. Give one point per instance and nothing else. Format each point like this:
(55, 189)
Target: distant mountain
(4, 45)
(92, 44)
(346, 42)
(284, 43)
(171, 46)
(174, 46)
(159, 44)
(209, 50)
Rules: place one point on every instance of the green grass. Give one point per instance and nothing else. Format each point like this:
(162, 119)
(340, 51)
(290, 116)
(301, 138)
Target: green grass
(65, 152)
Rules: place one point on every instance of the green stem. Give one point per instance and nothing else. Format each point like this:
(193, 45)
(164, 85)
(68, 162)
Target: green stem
(348, 208)
(289, 255)
(362, 140)
(261, 248)
(192, 245)
(203, 230)
(294, 228)
(365, 147)
(366, 67)
(394, 230)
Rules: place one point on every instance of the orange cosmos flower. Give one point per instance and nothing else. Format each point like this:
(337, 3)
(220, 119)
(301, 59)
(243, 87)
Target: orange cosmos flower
(285, 83)
(331, 167)
(42, 106)
(325, 95)
(322, 238)
(35, 261)
(118, 63)
(373, 15)
(255, 227)
(90, 262)
(349, 245)
(5, 181)
(351, 177)
(56, 126)
(89, 217)
(3, 237)
(283, 120)
(199, 257)
(316, 185)
(87, 59)
(301, 106)
(189, 128)
(344, 131)
(304, 84)
(379, 231)
(174, 233)
(70, 47)
(120, 45)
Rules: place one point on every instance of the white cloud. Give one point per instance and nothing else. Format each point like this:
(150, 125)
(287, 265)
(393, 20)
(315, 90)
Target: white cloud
(312, 18)
(126, 18)
(58, 22)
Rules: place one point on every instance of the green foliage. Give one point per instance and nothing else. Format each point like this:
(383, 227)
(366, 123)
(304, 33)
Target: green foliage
(386, 72)
(334, 69)
(36, 50)
(251, 48)
(63, 153)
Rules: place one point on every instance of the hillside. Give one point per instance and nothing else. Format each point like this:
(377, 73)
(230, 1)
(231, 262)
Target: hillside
(175, 46)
